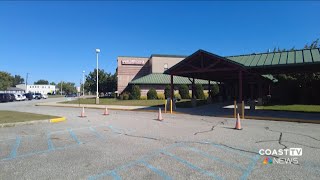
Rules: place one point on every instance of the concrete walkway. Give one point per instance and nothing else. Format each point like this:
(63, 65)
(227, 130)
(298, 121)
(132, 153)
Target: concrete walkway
(215, 110)
(96, 106)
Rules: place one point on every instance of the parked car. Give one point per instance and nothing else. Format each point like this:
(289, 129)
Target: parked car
(18, 97)
(37, 96)
(11, 97)
(29, 96)
(44, 96)
(4, 97)
(71, 95)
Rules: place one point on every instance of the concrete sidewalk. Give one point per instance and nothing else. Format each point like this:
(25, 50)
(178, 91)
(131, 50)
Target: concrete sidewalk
(215, 110)
(96, 106)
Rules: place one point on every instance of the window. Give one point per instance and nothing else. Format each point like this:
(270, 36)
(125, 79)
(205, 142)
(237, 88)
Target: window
(165, 66)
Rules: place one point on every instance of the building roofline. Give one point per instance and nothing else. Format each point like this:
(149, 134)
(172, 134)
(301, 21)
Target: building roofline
(134, 56)
(269, 52)
(168, 55)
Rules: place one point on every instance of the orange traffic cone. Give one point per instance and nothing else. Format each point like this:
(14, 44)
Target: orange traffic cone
(238, 123)
(159, 115)
(82, 113)
(106, 112)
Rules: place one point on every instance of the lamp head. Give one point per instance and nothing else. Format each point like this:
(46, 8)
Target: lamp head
(97, 50)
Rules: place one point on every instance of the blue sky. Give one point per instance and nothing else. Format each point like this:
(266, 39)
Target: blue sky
(57, 40)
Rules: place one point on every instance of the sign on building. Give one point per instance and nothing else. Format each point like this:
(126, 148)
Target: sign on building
(132, 62)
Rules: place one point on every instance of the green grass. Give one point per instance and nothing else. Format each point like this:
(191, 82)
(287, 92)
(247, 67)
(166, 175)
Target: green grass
(295, 107)
(185, 103)
(14, 116)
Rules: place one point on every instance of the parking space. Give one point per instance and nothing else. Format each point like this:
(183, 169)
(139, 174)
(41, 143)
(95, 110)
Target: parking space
(132, 145)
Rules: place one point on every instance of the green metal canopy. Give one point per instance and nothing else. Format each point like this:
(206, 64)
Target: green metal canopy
(164, 79)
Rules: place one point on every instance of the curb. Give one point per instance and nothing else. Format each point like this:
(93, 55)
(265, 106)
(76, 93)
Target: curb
(278, 119)
(56, 120)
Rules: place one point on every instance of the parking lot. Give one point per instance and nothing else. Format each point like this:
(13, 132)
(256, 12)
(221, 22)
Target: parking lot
(134, 145)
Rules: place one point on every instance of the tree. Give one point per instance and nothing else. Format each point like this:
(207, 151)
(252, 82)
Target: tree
(199, 91)
(42, 81)
(184, 91)
(53, 83)
(167, 92)
(152, 94)
(135, 92)
(6, 80)
(67, 87)
(107, 81)
(17, 79)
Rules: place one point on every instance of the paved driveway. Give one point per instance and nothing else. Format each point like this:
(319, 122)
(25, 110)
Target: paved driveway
(133, 145)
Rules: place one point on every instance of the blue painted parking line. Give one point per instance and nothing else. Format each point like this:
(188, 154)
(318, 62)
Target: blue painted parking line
(125, 166)
(115, 175)
(157, 171)
(50, 144)
(114, 130)
(246, 174)
(74, 136)
(95, 132)
(15, 147)
(192, 166)
(232, 165)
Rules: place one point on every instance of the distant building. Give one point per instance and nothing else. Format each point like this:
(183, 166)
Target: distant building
(38, 88)
(147, 72)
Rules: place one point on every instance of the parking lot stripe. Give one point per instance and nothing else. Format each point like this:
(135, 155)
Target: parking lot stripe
(95, 132)
(50, 144)
(157, 171)
(74, 136)
(15, 147)
(232, 165)
(246, 174)
(194, 167)
(115, 175)
(115, 130)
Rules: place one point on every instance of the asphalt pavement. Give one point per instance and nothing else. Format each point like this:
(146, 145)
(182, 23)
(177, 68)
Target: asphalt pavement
(134, 145)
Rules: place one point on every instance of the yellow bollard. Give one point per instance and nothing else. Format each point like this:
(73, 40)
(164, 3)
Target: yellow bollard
(171, 106)
(165, 106)
(235, 109)
(242, 110)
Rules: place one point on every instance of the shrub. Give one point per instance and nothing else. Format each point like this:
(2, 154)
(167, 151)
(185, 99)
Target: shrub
(177, 96)
(121, 97)
(206, 95)
(184, 91)
(161, 96)
(199, 91)
(135, 92)
(125, 96)
(167, 92)
(152, 94)
(143, 97)
(214, 90)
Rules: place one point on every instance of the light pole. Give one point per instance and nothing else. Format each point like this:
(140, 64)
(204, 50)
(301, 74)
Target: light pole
(83, 82)
(27, 83)
(97, 98)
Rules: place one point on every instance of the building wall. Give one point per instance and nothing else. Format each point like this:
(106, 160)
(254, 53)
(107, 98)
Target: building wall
(158, 63)
(130, 68)
(38, 88)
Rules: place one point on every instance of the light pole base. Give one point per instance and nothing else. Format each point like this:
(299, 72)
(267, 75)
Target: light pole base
(97, 100)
